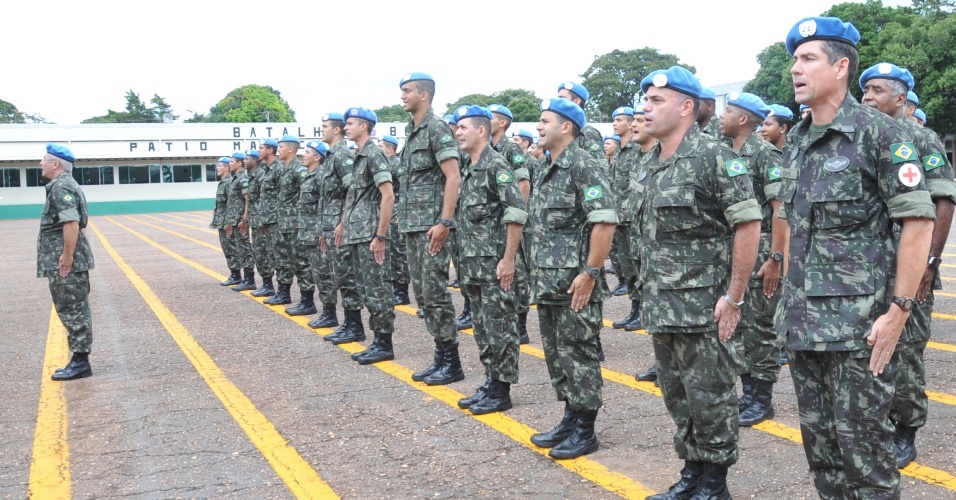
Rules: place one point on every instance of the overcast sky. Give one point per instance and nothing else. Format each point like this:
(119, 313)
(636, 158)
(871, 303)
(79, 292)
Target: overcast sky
(69, 61)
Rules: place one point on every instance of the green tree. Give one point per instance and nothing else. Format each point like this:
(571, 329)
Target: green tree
(470, 100)
(613, 79)
(773, 82)
(136, 111)
(252, 104)
(393, 113)
(522, 103)
(10, 114)
(161, 110)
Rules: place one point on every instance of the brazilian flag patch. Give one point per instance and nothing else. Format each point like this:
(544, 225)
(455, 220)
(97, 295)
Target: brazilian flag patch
(774, 173)
(303, 173)
(517, 159)
(504, 178)
(245, 183)
(592, 193)
(933, 161)
(595, 146)
(735, 167)
(383, 167)
(67, 197)
(902, 151)
(446, 138)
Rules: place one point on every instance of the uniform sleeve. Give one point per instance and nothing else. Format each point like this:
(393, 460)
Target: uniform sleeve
(734, 188)
(594, 191)
(939, 171)
(516, 210)
(343, 165)
(773, 164)
(901, 180)
(442, 142)
(381, 171)
(64, 203)
(244, 183)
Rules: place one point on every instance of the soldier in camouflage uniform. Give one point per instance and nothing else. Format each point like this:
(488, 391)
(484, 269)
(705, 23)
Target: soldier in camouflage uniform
(64, 257)
(430, 160)
(491, 214)
(364, 230)
(267, 213)
(707, 118)
(237, 220)
(572, 217)
(774, 129)
(219, 221)
(884, 88)
(700, 231)
(292, 260)
(309, 228)
(590, 139)
(620, 177)
(399, 275)
(757, 335)
(849, 173)
(251, 164)
(525, 140)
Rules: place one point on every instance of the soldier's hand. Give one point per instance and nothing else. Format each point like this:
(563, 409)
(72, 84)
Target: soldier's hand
(580, 291)
(924, 285)
(322, 243)
(243, 227)
(505, 273)
(66, 265)
(727, 318)
(770, 272)
(377, 247)
(228, 230)
(884, 336)
(339, 231)
(437, 236)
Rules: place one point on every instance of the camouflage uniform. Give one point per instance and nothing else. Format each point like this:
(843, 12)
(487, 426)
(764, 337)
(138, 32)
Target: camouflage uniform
(427, 145)
(713, 127)
(219, 222)
(261, 251)
(570, 195)
(841, 264)
(591, 141)
(761, 344)
(490, 201)
(308, 229)
(399, 258)
(694, 200)
(292, 258)
(514, 156)
(633, 205)
(65, 203)
(337, 267)
(362, 215)
(267, 176)
(239, 245)
(622, 172)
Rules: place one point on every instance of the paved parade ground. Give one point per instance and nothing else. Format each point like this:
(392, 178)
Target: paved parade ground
(199, 391)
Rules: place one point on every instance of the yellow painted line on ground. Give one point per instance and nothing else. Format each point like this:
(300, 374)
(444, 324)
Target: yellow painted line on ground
(941, 346)
(944, 294)
(612, 481)
(204, 229)
(188, 217)
(942, 397)
(50, 467)
(297, 474)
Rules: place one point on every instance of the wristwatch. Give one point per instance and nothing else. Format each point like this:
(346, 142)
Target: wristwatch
(735, 305)
(905, 303)
(777, 256)
(445, 222)
(934, 262)
(381, 237)
(594, 272)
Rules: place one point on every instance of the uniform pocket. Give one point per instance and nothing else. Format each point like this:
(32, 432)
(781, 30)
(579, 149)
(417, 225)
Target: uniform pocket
(838, 200)
(687, 293)
(676, 209)
(840, 296)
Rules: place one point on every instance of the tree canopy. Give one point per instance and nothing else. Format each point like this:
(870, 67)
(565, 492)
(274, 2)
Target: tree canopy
(613, 79)
(522, 103)
(393, 113)
(138, 111)
(249, 104)
(10, 114)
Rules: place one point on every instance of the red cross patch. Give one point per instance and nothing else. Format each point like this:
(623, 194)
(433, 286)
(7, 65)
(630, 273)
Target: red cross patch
(910, 175)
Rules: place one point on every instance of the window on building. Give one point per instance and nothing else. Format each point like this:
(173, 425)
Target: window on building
(211, 172)
(9, 177)
(134, 174)
(186, 173)
(93, 176)
(35, 178)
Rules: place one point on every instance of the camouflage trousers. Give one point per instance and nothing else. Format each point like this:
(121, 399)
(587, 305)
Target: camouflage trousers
(523, 288)
(844, 420)
(910, 406)
(292, 261)
(71, 298)
(697, 373)
(761, 341)
(621, 257)
(263, 249)
(375, 287)
(634, 285)
(338, 261)
(237, 249)
(493, 311)
(302, 265)
(398, 256)
(570, 351)
(322, 275)
(429, 277)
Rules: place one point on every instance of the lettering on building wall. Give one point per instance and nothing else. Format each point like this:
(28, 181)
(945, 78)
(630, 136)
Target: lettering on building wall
(151, 146)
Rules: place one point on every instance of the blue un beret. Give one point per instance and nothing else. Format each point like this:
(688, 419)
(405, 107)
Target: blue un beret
(501, 110)
(803, 107)
(415, 76)
(779, 110)
(471, 112)
(61, 152)
(289, 138)
(318, 147)
(253, 153)
(623, 110)
(363, 113)
(912, 97)
(674, 78)
(449, 119)
(225, 159)
(919, 113)
(391, 139)
(524, 133)
(333, 117)
(576, 88)
(613, 137)
(708, 93)
(565, 108)
(749, 102)
(821, 28)
(239, 155)
(271, 142)
(888, 71)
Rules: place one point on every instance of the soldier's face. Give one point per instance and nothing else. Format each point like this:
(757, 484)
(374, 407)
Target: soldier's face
(262, 150)
(567, 94)
(222, 169)
(814, 78)
(621, 124)
(411, 97)
(637, 127)
(48, 167)
(609, 147)
(877, 94)
(662, 111)
(310, 157)
(770, 130)
(533, 150)
(730, 121)
(287, 150)
(549, 130)
(235, 165)
(249, 162)
(469, 136)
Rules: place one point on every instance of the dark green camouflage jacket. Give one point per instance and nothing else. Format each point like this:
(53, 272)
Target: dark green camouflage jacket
(426, 146)
(268, 175)
(289, 179)
(763, 165)
(336, 175)
(310, 193)
(65, 202)
(364, 209)
(222, 196)
(236, 197)
(512, 153)
(623, 171)
(592, 142)
(254, 186)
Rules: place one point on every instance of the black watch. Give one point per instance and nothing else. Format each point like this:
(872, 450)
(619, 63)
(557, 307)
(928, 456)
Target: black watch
(777, 256)
(382, 237)
(934, 262)
(594, 272)
(905, 303)
(445, 222)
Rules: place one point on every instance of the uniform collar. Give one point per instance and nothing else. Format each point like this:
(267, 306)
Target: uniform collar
(843, 122)
(426, 119)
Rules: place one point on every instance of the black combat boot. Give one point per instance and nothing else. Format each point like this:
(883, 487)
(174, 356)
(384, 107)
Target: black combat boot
(631, 316)
(905, 444)
(248, 282)
(464, 403)
(635, 325)
(400, 294)
(713, 484)
(306, 305)
(523, 329)
(559, 433)
(353, 330)
(437, 361)
(420, 313)
(234, 278)
(761, 407)
(648, 375)
(327, 319)
(685, 488)
(78, 367)
(582, 439)
(381, 350)
(464, 322)
(350, 317)
(450, 370)
(497, 398)
(266, 290)
(281, 297)
(621, 289)
(747, 398)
